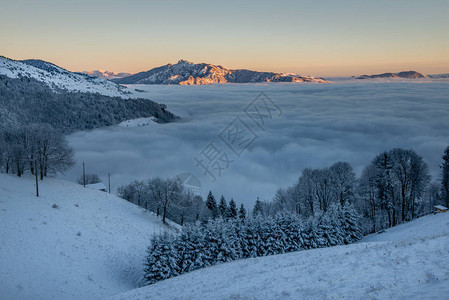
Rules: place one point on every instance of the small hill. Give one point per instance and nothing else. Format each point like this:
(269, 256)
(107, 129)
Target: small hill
(445, 75)
(188, 73)
(403, 75)
(71, 242)
(405, 262)
(58, 78)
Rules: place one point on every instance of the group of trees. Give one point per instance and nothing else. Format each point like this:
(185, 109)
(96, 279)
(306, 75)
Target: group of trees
(169, 199)
(222, 240)
(395, 187)
(223, 210)
(166, 197)
(37, 148)
(315, 190)
(392, 187)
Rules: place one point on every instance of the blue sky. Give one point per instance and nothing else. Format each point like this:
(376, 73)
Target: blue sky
(325, 38)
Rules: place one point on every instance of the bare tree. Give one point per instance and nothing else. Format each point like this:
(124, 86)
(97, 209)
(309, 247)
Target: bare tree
(411, 176)
(342, 181)
(445, 177)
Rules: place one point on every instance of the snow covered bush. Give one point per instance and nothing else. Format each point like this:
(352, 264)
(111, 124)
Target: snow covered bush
(205, 244)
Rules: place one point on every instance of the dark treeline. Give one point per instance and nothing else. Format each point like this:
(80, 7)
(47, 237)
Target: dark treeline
(25, 101)
(34, 148)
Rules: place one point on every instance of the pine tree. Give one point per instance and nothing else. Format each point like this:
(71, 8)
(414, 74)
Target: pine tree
(445, 177)
(222, 207)
(242, 212)
(257, 210)
(211, 204)
(161, 262)
(232, 211)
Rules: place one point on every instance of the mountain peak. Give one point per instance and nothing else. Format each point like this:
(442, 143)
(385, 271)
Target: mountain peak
(183, 61)
(189, 73)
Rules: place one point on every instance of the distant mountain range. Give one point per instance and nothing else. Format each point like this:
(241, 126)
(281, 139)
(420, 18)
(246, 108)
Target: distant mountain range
(403, 75)
(188, 73)
(106, 74)
(58, 78)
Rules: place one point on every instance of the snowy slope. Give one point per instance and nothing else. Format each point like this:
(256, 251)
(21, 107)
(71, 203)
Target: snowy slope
(57, 77)
(410, 261)
(91, 246)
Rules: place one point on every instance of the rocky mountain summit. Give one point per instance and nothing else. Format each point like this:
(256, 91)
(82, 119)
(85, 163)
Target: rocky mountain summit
(189, 73)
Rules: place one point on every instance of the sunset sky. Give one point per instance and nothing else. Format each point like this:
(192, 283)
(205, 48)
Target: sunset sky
(323, 38)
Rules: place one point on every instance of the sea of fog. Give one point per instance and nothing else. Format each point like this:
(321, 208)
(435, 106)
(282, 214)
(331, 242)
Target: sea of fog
(249, 145)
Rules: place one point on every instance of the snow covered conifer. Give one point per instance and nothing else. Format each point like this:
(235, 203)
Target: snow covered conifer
(242, 212)
(257, 210)
(232, 211)
(161, 261)
(211, 205)
(222, 207)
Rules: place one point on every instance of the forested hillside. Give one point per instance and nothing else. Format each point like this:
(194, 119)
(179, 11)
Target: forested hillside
(26, 100)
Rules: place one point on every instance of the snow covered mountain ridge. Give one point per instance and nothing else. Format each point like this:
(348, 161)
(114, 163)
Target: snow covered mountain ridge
(58, 78)
(189, 73)
(106, 74)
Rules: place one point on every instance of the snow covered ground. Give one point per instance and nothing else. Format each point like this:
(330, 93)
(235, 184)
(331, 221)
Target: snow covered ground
(139, 122)
(88, 246)
(76, 243)
(406, 262)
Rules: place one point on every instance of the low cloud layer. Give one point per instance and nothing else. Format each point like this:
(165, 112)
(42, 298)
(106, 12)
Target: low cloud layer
(320, 124)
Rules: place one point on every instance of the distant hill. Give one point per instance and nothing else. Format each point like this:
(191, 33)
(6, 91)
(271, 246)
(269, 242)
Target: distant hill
(438, 75)
(71, 242)
(188, 73)
(403, 75)
(106, 74)
(58, 78)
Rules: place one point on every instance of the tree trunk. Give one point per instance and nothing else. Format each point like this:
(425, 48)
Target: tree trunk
(165, 213)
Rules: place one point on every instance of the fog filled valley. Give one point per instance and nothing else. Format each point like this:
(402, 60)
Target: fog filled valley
(315, 126)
